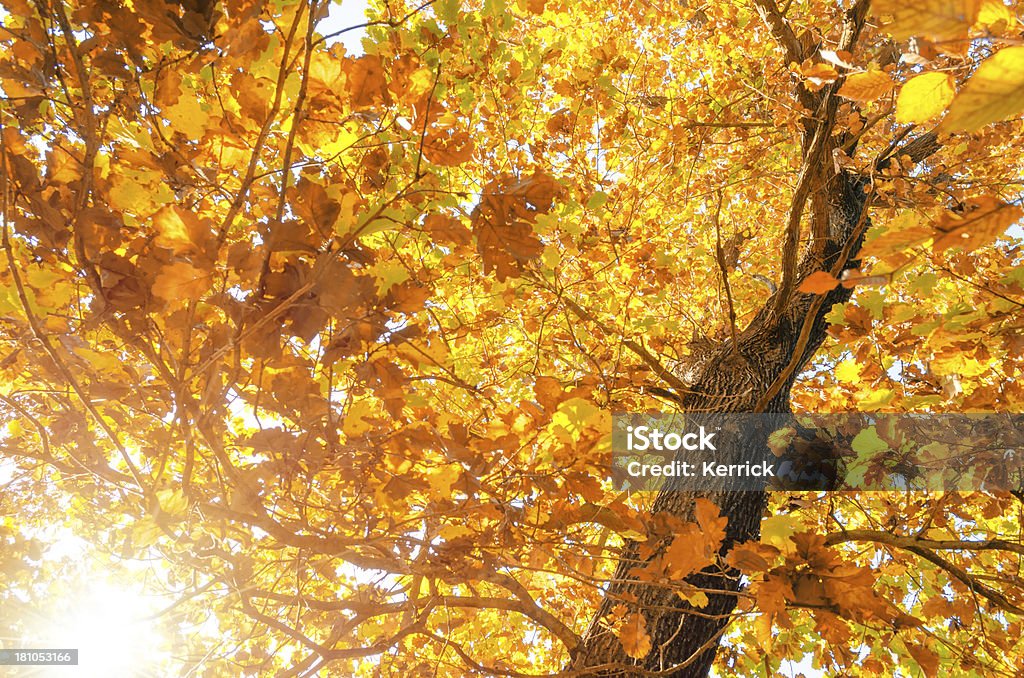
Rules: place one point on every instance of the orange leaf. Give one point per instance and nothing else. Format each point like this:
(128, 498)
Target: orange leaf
(712, 524)
(981, 222)
(181, 281)
(751, 557)
(866, 86)
(634, 637)
(818, 282)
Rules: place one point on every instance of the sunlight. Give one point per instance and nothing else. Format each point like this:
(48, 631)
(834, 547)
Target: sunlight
(112, 629)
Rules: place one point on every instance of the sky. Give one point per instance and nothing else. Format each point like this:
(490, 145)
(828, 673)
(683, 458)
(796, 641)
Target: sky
(343, 15)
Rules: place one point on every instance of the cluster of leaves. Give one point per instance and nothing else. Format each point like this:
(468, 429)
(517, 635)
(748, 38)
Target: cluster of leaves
(335, 338)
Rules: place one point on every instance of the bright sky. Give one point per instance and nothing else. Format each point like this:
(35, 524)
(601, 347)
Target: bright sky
(343, 15)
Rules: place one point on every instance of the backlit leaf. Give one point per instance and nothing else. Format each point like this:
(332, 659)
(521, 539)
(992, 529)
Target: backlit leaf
(932, 19)
(924, 97)
(993, 93)
(866, 86)
(634, 637)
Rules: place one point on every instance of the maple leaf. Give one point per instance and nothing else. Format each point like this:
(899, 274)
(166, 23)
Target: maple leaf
(246, 337)
(180, 281)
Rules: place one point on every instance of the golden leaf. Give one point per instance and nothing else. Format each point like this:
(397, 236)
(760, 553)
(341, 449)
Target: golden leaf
(849, 371)
(933, 19)
(924, 97)
(981, 222)
(995, 92)
(866, 86)
(818, 282)
(181, 280)
(633, 635)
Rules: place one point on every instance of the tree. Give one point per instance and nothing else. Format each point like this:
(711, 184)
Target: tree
(332, 341)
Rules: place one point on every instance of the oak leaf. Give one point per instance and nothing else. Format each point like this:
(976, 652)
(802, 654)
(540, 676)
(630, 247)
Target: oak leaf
(632, 633)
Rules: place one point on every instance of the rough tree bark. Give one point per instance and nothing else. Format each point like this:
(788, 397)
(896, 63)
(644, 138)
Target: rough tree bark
(755, 376)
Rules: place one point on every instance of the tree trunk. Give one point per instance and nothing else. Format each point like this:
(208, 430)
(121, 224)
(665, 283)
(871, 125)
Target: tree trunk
(684, 639)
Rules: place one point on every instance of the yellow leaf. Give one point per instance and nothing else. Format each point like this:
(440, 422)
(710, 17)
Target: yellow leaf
(633, 636)
(61, 166)
(995, 92)
(873, 399)
(933, 19)
(957, 363)
(866, 86)
(981, 222)
(442, 479)
(574, 415)
(145, 532)
(180, 230)
(452, 532)
(924, 97)
(188, 117)
(359, 417)
(181, 280)
(698, 599)
(849, 371)
(172, 501)
(777, 530)
(818, 282)
(995, 13)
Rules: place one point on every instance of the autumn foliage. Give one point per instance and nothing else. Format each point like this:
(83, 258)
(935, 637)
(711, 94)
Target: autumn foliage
(321, 345)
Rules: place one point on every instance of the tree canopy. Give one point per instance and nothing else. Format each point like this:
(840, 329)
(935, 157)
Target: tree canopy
(322, 347)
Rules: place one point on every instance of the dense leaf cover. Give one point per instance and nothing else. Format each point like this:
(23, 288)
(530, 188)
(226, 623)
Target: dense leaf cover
(323, 347)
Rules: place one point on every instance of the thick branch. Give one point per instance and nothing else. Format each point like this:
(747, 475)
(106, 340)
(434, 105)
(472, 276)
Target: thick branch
(781, 29)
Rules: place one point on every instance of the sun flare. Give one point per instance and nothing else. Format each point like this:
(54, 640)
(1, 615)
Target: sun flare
(112, 627)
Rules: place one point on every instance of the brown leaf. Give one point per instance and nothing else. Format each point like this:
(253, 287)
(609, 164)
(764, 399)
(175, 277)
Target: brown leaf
(448, 147)
(367, 85)
(925, 658)
(549, 392)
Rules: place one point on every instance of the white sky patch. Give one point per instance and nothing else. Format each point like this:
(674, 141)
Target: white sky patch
(346, 15)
